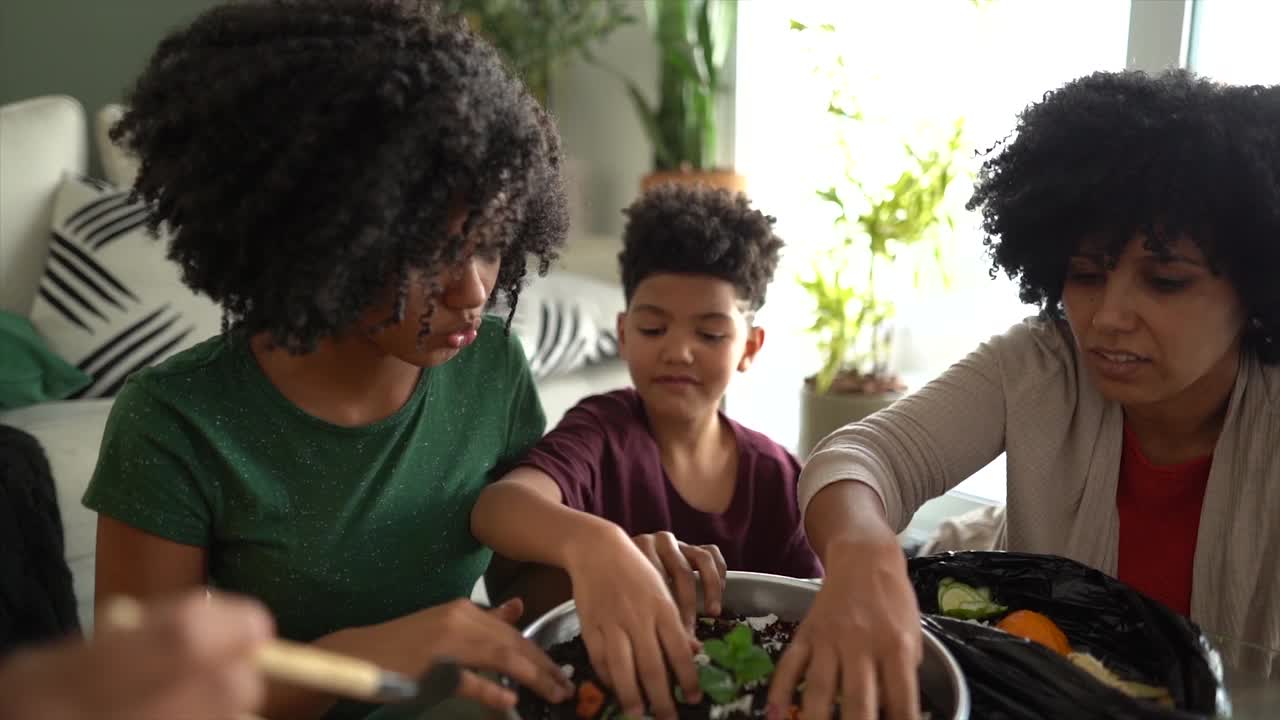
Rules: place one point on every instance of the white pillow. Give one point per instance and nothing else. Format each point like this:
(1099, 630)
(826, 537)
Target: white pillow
(118, 165)
(110, 302)
(566, 321)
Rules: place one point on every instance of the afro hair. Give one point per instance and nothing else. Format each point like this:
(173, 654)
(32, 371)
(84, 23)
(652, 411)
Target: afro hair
(306, 156)
(697, 229)
(1168, 155)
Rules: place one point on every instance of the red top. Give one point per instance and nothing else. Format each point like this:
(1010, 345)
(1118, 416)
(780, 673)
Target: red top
(1159, 518)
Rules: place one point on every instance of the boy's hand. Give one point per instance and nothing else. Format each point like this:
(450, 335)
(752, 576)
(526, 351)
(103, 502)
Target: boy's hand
(678, 562)
(630, 623)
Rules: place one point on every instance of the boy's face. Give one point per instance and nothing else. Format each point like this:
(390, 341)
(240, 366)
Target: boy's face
(683, 336)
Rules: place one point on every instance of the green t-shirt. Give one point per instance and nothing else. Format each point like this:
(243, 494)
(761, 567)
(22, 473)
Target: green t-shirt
(332, 527)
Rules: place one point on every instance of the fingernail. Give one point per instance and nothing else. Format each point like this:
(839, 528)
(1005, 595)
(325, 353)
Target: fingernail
(772, 712)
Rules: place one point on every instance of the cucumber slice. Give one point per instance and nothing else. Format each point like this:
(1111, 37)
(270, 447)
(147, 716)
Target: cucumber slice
(958, 600)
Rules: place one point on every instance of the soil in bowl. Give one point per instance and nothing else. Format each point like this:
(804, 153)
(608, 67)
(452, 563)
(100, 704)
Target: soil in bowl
(739, 654)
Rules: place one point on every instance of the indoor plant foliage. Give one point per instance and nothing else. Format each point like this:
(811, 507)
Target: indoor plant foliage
(888, 233)
(535, 35)
(693, 39)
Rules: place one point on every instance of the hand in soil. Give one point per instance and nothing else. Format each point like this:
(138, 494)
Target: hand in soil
(677, 561)
(630, 625)
(861, 642)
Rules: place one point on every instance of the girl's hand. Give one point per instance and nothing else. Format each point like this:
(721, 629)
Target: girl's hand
(630, 623)
(861, 642)
(191, 656)
(677, 562)
(473, 637)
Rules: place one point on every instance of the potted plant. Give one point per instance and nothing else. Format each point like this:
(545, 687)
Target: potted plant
(536, 35)
(886, 234)
(693, 38)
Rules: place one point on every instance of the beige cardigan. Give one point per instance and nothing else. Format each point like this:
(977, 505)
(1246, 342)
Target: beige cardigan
(1023, 393)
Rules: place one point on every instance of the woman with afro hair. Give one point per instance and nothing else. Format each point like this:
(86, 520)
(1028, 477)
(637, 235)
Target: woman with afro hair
(354, 181)
(1139, 412)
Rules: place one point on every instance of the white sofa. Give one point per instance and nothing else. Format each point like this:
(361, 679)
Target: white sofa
(43, 138)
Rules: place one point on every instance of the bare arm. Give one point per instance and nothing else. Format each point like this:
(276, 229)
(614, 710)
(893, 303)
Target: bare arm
(522, 517)
(136, 563)
(844, 514)
(141, 565)
(132, 562)
(927, 442)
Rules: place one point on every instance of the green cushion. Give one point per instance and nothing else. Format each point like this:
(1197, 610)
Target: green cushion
(30, 372)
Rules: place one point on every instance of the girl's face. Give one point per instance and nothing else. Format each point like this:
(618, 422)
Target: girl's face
(1156, 328)
(683, 336)
(455, 310)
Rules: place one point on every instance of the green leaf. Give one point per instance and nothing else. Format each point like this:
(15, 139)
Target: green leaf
(740, 638)
(719, 651)
(753, 664)
(797, 25)
(717, 683)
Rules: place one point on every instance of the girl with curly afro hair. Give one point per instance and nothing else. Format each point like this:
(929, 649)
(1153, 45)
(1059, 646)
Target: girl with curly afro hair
(1139, 412)
(354, 181)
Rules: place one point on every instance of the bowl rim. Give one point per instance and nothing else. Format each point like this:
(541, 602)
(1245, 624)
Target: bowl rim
(959, 685)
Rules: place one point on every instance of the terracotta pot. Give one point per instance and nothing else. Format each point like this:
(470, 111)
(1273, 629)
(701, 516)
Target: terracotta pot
(823, 413)
(726, 179)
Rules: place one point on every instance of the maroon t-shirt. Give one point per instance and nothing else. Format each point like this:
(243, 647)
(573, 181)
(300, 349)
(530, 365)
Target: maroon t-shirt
(606, 461)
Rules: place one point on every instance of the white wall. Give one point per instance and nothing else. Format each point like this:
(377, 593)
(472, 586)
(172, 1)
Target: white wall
(606, 143)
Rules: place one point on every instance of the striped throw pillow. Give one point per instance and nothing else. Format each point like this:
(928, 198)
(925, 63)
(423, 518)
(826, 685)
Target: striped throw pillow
(566, 321)
(110, 302)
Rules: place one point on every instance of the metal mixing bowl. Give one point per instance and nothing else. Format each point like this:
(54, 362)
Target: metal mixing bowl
(941, 681)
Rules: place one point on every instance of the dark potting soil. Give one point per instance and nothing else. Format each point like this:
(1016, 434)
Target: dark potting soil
(773, 638)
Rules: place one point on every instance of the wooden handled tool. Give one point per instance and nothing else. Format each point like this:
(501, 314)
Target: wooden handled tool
(316, 669)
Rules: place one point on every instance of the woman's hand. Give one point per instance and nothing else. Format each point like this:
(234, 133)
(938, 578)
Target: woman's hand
(677, 562)
(630, 623)
(861, 641)
(189, 657)
(473, 637)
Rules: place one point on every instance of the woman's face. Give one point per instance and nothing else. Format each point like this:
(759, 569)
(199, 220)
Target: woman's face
(456, 309)
(1156, 327)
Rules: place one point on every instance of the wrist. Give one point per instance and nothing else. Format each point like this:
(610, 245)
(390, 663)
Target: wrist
(863, 543)
(587, 537)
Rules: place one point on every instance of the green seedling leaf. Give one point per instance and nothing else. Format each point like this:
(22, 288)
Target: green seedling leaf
(719, 652)
(740, 637)
(717, 684)
(752, 665)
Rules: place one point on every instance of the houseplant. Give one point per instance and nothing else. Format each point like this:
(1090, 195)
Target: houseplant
(535, 35)
(693, 39)
(887, 235)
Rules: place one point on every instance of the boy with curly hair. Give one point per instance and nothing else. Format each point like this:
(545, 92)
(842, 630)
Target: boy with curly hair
(354, 181)
(646, 465)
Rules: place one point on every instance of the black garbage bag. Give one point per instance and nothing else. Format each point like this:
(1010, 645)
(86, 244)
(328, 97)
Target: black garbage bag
(1137, 638)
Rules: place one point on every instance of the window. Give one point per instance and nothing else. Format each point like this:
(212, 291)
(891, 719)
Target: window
(1233, 41)
(914, 64)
